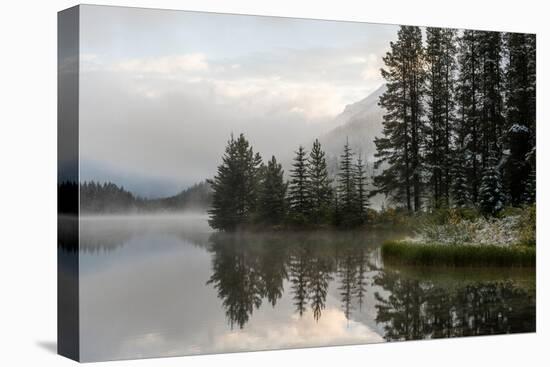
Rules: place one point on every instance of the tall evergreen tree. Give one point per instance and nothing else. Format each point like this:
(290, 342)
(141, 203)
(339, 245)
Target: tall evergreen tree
(272, 201)
(492, 116)
(235, 186)
(360, 177)
(468, 97)
(346, 188)
(319, 190)
(490, 192)
(520, 112)
(459, 188)
(400, 147)
(441, 67)
(298, 195)
(481, 123)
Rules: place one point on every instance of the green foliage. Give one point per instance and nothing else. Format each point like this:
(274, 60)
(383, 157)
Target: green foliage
(319, 189)
(441, 67)
(491, 199)
(398, 151)
(108, 197)
(360, 180)
(298, 195)
(236, 186)
(249, 194)
(528, 226)
(348, 210)
(459, 128)
(457, 255)
(390, 217)
(272, 200)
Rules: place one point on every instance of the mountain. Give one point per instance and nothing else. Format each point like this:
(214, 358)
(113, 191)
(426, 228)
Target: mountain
(360, 122)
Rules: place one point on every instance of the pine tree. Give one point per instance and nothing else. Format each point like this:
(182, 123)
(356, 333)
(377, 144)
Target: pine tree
(235, 186)
(491, 83)
(520, 112)
(490, 191)
(400, 147)
(459, 189)
(468, 98)
(298, 196)
(481, 121)
(360, 179)
(346, 188)
(319, 190)
(441, 66)
(272, 203)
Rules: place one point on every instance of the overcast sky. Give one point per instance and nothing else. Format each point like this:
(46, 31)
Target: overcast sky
(161, 91)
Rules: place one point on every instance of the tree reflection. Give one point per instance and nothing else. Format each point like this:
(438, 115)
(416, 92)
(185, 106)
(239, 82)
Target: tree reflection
(321, 266)
(299, 277)
(250, 269)
(247, 269)
(238, 278)
(418, 309)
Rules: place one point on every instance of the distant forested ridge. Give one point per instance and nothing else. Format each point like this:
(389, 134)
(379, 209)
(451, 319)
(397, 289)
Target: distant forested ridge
(459, 128)
(108, 197)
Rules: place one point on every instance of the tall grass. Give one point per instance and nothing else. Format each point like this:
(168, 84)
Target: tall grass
(408, 253)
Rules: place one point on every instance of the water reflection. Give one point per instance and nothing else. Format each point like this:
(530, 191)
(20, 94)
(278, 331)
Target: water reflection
(248, 269)
(169, 286)
(419, 309)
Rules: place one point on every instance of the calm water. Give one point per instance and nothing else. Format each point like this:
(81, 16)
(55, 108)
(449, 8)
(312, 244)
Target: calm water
(163, 286)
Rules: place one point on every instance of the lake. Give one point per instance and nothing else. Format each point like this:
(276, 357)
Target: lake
(169, 285)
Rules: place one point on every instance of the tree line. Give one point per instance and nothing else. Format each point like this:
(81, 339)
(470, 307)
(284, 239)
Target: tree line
(459, 128)
(247, 192)
(108, 197)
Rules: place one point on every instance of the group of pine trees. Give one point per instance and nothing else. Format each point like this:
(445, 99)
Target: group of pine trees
(248, 192)
(459, 128)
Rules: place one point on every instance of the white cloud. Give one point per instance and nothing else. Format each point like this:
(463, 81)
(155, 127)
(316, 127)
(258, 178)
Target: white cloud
(164, 65)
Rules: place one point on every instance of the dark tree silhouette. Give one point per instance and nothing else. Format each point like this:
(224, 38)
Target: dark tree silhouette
(235, 186)
(398, 151)
(319, 190)
(298, 195)
(272, 199)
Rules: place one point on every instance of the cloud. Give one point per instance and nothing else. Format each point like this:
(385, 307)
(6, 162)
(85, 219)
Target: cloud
(296, 332)
(168, 117)
(164, 65)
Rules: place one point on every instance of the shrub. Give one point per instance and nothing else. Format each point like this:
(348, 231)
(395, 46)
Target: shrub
(409, 253)
(527, 226)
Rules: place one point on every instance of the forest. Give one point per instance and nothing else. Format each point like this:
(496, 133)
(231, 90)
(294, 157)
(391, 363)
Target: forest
(107, 197)
(459, 132)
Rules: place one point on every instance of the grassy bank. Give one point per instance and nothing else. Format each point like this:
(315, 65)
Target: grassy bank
(412, 253)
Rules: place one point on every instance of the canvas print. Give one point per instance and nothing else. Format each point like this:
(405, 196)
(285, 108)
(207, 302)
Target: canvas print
(238, 183)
